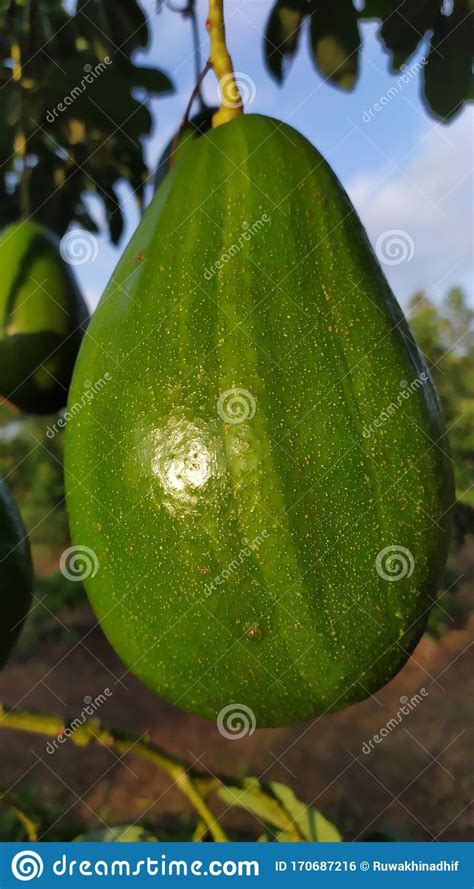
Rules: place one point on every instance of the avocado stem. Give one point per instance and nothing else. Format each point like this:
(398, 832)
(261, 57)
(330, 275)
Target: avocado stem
(231, 100)
(193, 784)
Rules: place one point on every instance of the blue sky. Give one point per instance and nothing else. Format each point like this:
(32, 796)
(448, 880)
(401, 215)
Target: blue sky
(404, 171)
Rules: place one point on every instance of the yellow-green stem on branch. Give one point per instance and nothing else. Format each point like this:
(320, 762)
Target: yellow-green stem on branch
(193, 784)
(231, 101)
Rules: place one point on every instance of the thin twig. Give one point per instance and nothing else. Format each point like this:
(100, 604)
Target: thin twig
(193, 784)
(186, 114)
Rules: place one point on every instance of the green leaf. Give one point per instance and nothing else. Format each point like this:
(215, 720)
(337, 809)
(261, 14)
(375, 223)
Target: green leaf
(128, 25)
(252, 798)
(95, 94)
(113, 27)
(125, 833)
(406, 26)
(151, 79)
(282, 34)
(448, 70)
(335, 42)
(314, 826)
(115, 218)
(378, 9)
(277, 805)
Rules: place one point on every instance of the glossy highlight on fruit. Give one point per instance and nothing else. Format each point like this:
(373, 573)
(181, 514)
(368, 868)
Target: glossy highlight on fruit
(43, 317)
(264, 480)
(16, 574)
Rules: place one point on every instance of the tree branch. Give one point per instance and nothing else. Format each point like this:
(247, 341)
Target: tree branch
(191, 782)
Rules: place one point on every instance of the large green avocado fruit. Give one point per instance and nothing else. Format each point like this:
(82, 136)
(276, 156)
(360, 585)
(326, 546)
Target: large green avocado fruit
(264, 480)
(16, 574)
(180, 144)
(43, 317)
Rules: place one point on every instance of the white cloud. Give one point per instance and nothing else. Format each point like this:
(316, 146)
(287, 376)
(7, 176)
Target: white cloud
(429, 198)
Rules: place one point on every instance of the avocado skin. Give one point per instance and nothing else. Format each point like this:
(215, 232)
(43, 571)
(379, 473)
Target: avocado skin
(195, 127)
(16, 574)
(237, 560)
(43, 318)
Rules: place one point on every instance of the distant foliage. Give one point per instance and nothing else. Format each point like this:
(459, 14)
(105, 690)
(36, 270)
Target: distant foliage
(335, 43)
(445, 333)
(74, 109)
(31, 465)
(75, 106)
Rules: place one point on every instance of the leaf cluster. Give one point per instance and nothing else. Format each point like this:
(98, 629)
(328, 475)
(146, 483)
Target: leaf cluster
(74, 108)
(335, 43)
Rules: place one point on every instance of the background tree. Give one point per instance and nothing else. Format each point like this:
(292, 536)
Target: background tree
(60, 141)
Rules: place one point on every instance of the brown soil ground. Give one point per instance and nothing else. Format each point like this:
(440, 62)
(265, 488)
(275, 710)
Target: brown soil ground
(417, 781)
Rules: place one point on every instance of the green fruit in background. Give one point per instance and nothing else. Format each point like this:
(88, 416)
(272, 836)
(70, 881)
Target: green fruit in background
(43, 318)
(264, 479)
(16, 574)
(176, 148)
